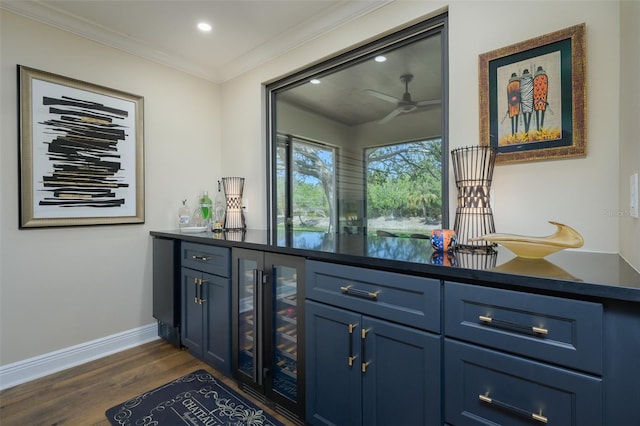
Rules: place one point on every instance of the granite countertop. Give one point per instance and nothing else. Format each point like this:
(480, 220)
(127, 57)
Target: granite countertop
(599, 275)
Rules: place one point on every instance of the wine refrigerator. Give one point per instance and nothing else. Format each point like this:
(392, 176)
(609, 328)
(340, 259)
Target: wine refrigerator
(267, 328)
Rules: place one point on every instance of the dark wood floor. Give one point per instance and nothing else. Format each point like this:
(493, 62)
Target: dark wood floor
(80, 395)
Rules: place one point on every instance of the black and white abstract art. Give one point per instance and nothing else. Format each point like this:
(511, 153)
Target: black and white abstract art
(81, 153)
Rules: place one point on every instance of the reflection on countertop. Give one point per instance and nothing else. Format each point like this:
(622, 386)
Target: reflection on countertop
(534, 267)
(598, 274)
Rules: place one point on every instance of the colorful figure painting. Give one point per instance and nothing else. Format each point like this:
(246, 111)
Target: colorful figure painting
(530, 103)
(532, 97)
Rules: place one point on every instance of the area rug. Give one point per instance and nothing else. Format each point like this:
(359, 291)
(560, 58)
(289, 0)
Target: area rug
(197, 399)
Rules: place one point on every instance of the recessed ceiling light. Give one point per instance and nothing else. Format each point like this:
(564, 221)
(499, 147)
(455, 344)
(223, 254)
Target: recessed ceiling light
(380, 58)
(204, 27)
(314, 81)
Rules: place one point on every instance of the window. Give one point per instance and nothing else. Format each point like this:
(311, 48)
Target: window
(309, 201)
(404, 187)
(335, 129)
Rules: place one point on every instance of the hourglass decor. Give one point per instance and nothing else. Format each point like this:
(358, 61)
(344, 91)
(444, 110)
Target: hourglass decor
(473, 171)
(233, 215)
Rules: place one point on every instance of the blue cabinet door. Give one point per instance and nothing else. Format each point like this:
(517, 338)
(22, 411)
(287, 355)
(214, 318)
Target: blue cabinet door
(333, 364)
(365, 371)
(401, 375)
(487, 387)
(217, 322)
(191, 326)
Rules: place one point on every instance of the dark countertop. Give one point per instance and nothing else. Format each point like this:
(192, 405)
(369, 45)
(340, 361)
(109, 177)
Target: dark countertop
(588, 274)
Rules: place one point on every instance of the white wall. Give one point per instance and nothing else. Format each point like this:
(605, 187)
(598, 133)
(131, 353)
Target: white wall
(579, 192)
(629, 126)
(62, 287)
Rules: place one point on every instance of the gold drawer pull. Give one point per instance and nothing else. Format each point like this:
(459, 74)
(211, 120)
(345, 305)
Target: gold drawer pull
(484, 398)
(539, 417)
(362, 293)
(506, 324)
(540, 330)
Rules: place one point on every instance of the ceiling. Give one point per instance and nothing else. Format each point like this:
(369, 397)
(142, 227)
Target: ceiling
(345, 95)
(246, 33)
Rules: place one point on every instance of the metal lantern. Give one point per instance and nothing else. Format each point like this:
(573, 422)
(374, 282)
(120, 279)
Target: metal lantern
(233, 215)
(473, 171)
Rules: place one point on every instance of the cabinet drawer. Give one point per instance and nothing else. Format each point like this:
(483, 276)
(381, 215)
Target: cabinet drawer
(211, 259)
(562, 331)
(485, 387)
(405, 299)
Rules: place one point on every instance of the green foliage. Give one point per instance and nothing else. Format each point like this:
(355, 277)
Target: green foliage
(404, 180)
(309, 199)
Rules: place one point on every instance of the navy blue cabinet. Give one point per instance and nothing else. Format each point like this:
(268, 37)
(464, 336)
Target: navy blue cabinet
(166, 288)
(529, 358)
(364, 365)
(561, 331)
(206, 298)
(410, 300)
(486, 387)
(333, 367)
(366, 371)
(192, 322)
(389, 345)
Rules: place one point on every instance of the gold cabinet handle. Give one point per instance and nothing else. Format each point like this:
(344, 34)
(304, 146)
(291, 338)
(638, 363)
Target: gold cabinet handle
(539, 417)
(357, 292)
(363, 336)
(540, 330)
(506, 324)
(198, 299)
(352, 357)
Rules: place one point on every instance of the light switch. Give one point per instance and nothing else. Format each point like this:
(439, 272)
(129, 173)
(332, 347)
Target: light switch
(633, 196)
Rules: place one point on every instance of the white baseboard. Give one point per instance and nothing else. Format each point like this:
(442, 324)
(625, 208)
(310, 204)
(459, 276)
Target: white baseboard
(52, 362)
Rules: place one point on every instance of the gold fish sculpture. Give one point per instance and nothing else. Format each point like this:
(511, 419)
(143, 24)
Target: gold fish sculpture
(537, 247)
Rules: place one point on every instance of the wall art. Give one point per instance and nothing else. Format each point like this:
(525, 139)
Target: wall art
(532, 98)
(81, 152)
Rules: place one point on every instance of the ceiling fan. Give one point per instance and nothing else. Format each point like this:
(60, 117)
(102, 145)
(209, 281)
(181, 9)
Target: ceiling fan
(404, 104)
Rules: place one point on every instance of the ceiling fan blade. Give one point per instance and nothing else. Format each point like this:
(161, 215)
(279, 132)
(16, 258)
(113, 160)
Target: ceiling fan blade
(383, 96)
(428, 103)
(390, 115)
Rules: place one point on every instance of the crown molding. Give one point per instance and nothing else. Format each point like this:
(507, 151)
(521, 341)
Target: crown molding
(341, 14)
(299, 34)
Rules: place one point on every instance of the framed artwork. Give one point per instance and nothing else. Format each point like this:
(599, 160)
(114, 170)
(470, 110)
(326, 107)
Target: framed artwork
(81, 152)
(532, 98)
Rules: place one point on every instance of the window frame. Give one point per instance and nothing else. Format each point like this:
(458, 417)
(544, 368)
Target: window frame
(405, 35)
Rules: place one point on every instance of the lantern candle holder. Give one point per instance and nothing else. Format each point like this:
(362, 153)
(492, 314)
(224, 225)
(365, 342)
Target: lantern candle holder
(233, 215)
(473, 172)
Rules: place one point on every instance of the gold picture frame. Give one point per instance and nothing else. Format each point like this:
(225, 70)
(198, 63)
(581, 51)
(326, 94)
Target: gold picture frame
(81, 152)
(533, 98)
